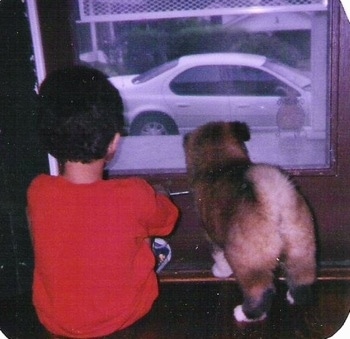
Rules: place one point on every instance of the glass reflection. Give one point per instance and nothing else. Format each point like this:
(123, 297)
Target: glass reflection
(177, 68)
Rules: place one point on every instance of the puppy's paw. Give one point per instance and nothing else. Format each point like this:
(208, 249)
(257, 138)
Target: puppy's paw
(221, 272)
(221, 268)
(241, 317)
(289, 298)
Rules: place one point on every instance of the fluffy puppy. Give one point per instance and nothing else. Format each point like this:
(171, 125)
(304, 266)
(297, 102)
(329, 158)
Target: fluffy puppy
(253, 215)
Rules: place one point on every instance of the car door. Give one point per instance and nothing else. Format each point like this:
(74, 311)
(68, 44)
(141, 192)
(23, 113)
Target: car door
(195, 97)
(255, 95)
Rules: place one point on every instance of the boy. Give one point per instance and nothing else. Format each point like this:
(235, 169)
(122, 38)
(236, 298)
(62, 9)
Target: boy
(94, 268)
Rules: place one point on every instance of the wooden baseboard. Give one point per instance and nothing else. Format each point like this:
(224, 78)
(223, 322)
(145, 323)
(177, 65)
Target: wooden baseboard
(205, 276)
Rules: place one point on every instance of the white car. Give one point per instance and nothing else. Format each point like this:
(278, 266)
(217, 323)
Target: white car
(187, 92)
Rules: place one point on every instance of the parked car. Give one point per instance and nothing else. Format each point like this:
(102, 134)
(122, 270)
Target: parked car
(187, 92)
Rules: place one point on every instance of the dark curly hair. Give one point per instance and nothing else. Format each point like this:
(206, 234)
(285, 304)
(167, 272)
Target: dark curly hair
(79, 113)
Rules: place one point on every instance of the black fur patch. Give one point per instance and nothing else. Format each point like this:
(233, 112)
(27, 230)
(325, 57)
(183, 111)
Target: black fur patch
(253, 309)
(302, 295)
(210, 136)
(240, 130)
(233, 174)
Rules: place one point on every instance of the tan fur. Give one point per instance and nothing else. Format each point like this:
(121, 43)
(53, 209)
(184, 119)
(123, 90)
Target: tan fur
(252, 213)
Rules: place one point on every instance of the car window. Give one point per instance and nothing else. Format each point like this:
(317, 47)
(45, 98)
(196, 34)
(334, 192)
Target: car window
(243, 80)
(201, 80)
(154, 72)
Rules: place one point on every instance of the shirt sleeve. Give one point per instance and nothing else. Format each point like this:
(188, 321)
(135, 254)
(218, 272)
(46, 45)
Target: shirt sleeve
(157, 212)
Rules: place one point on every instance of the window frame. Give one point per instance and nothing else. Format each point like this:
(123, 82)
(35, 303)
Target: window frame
(58, 51)
(326, 188)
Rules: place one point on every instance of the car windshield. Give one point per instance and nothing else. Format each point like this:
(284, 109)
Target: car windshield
(154, 72)
(296, 76)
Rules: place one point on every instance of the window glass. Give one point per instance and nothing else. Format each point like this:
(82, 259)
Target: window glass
(242, 80)
(154, 72)
(181, 64)
(202, 80)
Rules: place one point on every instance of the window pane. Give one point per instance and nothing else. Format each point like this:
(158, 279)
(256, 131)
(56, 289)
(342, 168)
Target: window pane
(202, 80)
(181, 64)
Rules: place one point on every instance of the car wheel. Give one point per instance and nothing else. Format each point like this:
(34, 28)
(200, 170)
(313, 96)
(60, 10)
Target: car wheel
(153, 124)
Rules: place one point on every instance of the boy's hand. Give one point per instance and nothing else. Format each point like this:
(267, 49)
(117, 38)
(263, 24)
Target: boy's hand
(161, 189)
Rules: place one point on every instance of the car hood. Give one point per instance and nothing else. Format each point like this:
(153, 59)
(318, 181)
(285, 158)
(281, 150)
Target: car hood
(122, 81)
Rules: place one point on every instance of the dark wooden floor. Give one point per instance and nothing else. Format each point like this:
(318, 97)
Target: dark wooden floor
(204, 310)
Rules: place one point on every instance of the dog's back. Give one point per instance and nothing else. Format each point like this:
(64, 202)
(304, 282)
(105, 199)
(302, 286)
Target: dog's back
(277, 227)
(253, 213)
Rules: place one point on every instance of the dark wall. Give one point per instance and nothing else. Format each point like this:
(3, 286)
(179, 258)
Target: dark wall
(20, 156)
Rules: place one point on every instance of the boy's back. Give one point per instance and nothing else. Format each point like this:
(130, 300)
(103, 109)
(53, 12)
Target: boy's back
(94, 267)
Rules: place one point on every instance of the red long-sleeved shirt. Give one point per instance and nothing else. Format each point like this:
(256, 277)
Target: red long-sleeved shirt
(94, 269)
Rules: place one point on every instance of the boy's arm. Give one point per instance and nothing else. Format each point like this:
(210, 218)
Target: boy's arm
(166, 213)
(155, 211)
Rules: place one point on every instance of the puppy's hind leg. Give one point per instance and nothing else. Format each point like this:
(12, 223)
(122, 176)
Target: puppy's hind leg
(299, 253)
(300, 268)
(258, 292)
(300, 277)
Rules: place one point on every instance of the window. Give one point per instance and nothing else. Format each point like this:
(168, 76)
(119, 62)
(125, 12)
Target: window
(154, 72)
(241, 80)
(318, 159)
(202, 80)
(315, 35)
(181, 64)
(193, 64)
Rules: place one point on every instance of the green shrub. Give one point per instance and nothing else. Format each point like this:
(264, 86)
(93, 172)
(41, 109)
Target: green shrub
(154, 44)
